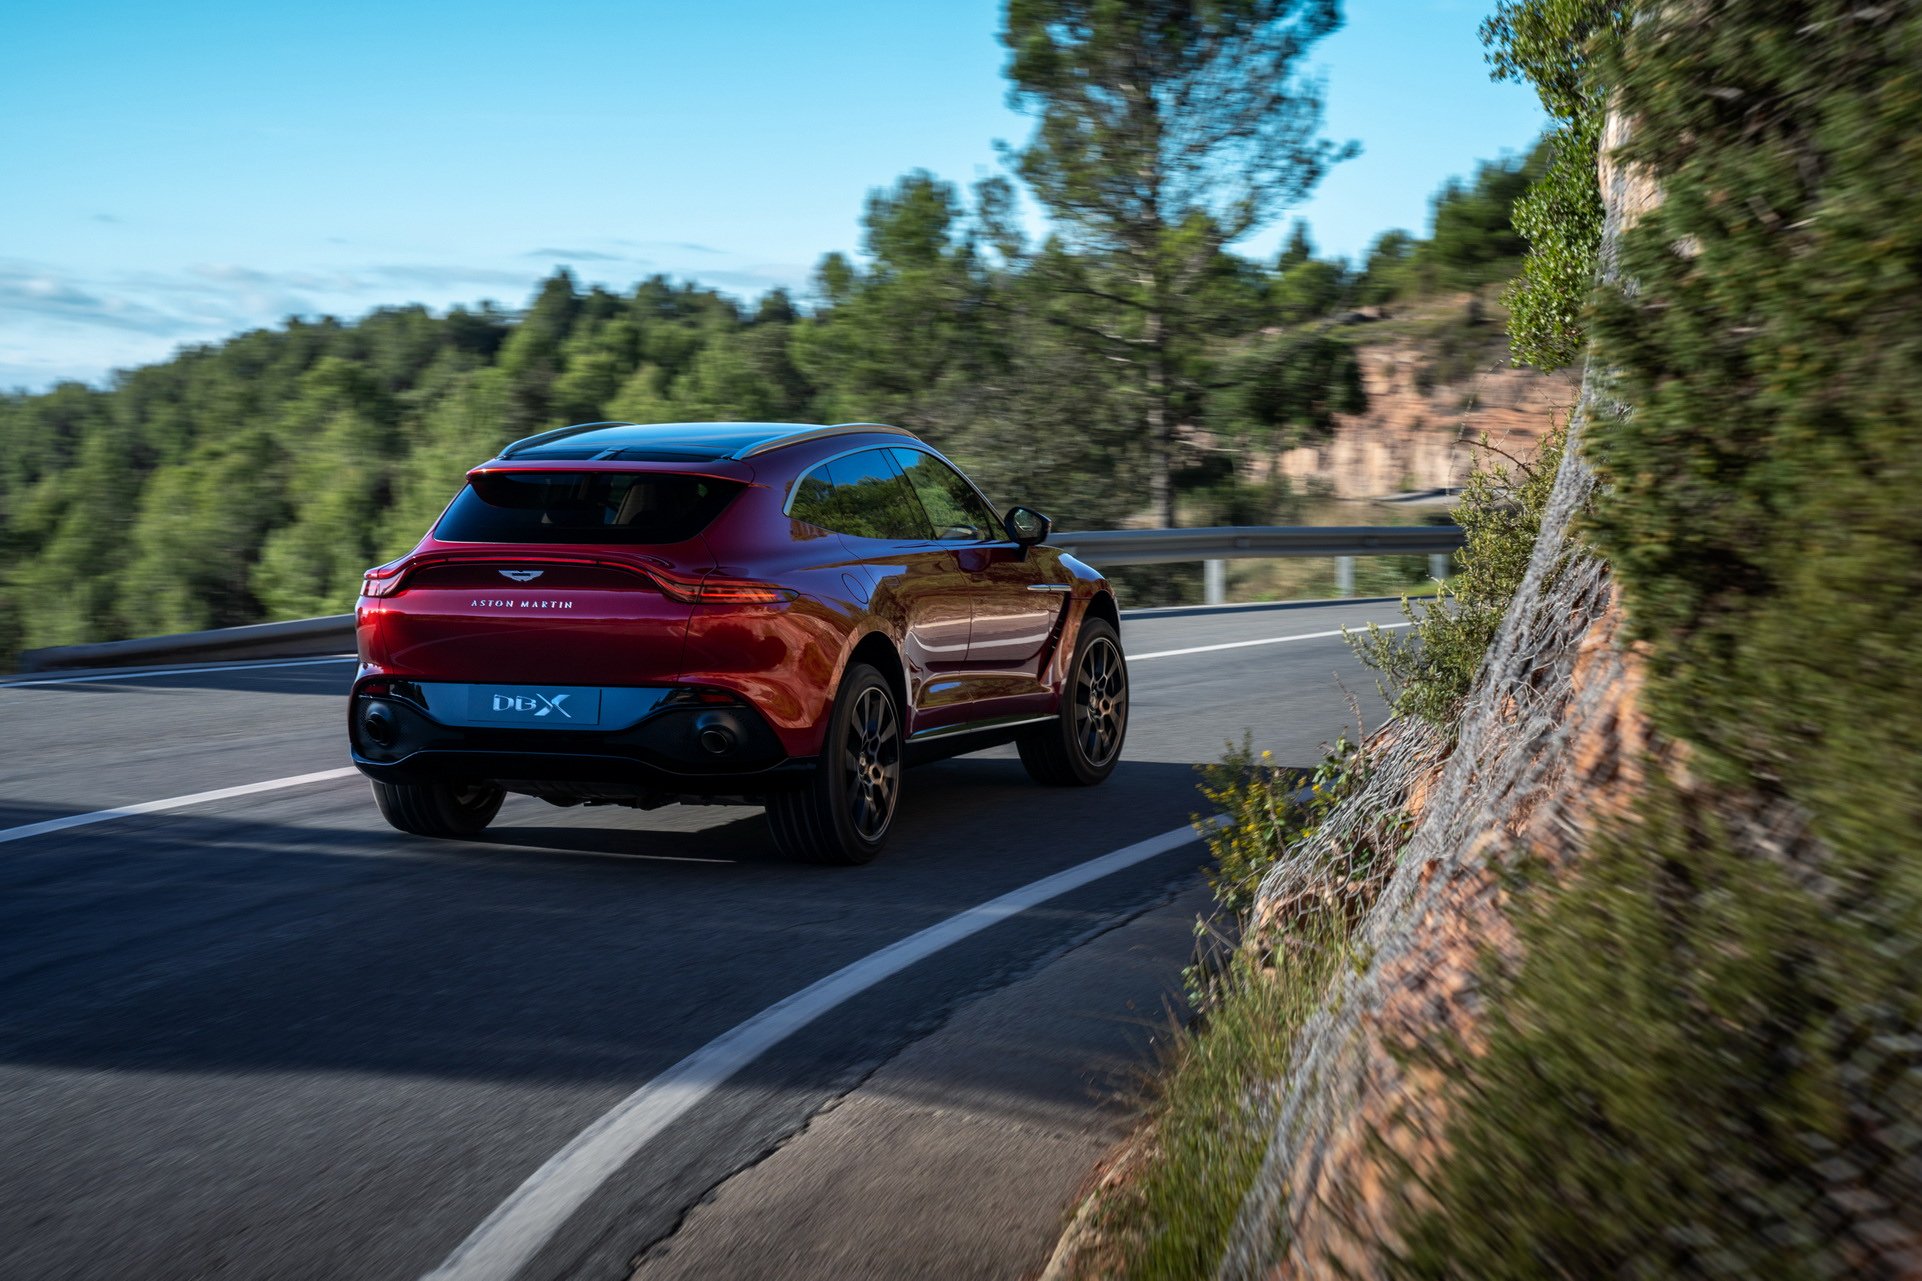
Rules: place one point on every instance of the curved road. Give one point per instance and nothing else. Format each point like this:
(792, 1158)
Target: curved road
(266, 1036)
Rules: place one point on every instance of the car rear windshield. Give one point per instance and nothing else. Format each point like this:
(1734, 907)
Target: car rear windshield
(583, 507)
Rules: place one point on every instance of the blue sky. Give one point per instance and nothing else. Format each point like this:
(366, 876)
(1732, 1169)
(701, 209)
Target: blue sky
(180, 172)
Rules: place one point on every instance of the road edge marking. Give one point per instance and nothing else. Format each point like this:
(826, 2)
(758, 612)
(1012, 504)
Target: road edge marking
(530, 1217)
(1265, 640)
(171, 803)
(298, 780)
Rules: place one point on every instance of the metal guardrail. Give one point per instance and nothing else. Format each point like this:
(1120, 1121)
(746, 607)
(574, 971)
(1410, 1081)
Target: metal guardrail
(1215, 546)
(296, 638)
(334, 634)
(1243, 542)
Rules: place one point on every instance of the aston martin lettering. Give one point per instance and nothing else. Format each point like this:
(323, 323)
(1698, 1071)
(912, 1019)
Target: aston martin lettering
(490, 602)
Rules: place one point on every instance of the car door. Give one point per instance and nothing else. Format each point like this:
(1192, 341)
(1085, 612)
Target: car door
(917, 580)
(1014, 612)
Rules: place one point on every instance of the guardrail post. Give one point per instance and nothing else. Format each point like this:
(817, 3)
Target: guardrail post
(1438, 565)
(1214, 578)
(1344, 575)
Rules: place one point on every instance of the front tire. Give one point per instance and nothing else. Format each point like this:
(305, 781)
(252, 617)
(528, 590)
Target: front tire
(1082, 745)
(455, 811)
(842, 814)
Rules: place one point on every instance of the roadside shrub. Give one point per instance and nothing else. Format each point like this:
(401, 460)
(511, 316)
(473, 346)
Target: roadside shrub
(1212, 1111)
(1262, 810)
(1761, 512)
(1209, 1125)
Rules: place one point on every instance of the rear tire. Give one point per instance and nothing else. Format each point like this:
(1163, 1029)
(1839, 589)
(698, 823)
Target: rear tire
(456, 811)
(841, 815)
(1082, 745)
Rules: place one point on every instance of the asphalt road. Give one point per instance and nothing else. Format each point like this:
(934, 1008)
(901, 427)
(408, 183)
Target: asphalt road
(270, 1037)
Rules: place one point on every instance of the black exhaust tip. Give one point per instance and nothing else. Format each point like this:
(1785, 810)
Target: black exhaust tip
(714, 735)
(379, 724)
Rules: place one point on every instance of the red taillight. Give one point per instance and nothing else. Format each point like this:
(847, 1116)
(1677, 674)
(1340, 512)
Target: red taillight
(382, 580)
(732, 591)
(721, 591)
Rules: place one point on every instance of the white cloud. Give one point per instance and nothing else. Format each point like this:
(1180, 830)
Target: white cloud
(58, 323)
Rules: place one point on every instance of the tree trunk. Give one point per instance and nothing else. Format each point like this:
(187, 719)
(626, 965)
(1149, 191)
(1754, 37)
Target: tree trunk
(1161, 488)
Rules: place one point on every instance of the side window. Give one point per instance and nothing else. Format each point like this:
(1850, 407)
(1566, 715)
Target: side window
(862, 495)
(956, 511)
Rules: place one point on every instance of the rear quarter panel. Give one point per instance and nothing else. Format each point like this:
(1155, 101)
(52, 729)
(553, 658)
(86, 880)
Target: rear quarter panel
(786, 658)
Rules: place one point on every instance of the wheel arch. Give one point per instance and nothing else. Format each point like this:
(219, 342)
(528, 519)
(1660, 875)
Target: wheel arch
(878, 651)
(1102, 605)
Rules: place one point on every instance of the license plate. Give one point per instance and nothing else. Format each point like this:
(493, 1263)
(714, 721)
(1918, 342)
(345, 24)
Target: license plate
(554, 707)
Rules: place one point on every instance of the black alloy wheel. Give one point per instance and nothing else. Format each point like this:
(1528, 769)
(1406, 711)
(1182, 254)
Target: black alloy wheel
(1099, 702)
(1082, 745)
(843, 813)
(872, 756)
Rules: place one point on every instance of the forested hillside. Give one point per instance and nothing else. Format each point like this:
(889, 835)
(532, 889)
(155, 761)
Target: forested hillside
(256, 478)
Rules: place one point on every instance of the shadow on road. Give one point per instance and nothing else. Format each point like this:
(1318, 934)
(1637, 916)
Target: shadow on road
(306, 936)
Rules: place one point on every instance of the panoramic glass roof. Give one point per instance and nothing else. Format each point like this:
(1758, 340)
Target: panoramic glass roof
(651, 442)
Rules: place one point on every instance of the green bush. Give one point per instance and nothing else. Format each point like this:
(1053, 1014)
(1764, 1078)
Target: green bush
(1557, 46)
(1675, 1073)
(1262, 810)
(1762, 512)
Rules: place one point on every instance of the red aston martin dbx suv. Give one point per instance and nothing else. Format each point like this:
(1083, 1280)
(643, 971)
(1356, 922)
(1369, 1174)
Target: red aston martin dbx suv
(775, 614)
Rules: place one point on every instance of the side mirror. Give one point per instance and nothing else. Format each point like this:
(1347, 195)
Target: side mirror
(1026, 526)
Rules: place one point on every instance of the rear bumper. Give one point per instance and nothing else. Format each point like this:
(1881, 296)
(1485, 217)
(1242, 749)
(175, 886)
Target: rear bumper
(544, 772)
(670, 752)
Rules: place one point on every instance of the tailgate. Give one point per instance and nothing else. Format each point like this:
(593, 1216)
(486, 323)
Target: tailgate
(516, 618)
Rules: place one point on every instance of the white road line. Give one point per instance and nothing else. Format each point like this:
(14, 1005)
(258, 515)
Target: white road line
(1254, 606)
(1266, 640)
(528, 1219)
(141, 673)
(275, 784)
(171, 803)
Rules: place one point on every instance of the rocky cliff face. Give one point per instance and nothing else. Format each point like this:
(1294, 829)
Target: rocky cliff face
(1438, 379)
(1553, 723)
(1550, 745)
